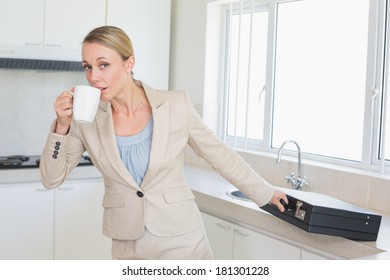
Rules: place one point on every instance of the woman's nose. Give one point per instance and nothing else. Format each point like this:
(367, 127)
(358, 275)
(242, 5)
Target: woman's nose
(94, 75)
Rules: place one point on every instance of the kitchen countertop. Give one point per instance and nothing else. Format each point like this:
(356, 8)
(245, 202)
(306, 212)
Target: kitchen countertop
(210, 191)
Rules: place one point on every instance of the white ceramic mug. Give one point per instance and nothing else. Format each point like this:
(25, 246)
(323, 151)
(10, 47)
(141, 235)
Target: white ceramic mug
(85, 103)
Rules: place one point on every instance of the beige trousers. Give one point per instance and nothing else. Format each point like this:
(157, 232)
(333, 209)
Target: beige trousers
(190, 246)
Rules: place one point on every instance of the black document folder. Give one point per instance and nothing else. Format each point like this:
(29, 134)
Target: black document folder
(318, 213)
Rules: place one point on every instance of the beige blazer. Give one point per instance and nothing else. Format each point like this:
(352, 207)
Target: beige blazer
(163, 203)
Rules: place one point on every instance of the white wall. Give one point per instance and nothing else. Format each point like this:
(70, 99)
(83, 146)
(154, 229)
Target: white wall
(188, 48)
(188, 69)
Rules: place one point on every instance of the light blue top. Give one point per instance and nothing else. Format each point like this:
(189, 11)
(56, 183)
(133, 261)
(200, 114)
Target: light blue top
(135, 151)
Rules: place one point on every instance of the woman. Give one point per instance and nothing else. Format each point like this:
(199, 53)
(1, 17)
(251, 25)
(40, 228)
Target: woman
(137, 142)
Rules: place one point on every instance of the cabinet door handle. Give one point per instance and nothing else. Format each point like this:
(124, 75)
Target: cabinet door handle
(54, 45)
(65, 188)
(42, 190)
(33, 44)
(223, 226)
(241, 233)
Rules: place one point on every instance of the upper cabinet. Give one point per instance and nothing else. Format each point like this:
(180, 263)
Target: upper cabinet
(67, 22)
(22, 27)
(47, 29)
(148, 24)
(54, 30)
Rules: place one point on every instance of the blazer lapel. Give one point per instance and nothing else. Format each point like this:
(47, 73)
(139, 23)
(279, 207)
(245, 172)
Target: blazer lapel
(161, 121)
(106, 131)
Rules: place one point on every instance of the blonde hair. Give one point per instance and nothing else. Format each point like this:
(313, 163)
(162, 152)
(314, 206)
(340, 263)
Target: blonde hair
(111, 37)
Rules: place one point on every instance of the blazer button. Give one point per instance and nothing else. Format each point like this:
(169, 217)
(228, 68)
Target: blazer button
(140, 194)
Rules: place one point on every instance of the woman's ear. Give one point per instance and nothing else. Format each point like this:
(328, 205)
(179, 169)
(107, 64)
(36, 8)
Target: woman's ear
(129, 64)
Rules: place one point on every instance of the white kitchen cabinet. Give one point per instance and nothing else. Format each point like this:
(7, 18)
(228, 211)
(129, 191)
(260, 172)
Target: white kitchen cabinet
(251, 245)
(48, 29)
(27, 224)
(78, 222)
(67, 22)
(21, 23)
(219, 233)
(54, 30)
(148, 24)
(63, 223)
(231, 241)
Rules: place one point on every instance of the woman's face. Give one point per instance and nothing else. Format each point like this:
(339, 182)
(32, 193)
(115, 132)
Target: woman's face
(105, 69)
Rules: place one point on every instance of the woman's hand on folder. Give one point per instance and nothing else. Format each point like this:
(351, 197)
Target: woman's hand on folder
(278, 198)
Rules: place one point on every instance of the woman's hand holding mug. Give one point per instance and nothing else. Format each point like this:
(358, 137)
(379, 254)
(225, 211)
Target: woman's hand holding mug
(64, 111)
(80, 103)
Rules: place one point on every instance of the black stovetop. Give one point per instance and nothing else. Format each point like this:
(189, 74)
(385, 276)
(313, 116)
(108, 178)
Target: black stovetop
(20, 161)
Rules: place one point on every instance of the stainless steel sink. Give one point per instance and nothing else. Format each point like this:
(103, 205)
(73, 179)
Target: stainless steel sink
(237, 194)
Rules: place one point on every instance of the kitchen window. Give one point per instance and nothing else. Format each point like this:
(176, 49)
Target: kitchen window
(311, 71)
(246, 33)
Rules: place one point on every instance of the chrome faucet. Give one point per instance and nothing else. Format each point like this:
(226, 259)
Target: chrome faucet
(296, 182)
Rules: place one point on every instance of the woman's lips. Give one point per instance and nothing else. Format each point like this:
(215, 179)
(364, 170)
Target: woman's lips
(102, 90)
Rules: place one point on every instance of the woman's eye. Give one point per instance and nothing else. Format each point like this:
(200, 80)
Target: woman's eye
(104, 65)
(87, 67)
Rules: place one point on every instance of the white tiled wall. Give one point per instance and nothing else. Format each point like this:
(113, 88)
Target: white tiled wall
(26, 107)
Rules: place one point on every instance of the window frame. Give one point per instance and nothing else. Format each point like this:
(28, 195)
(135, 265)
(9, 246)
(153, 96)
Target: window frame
(238, 142)
(377, 65)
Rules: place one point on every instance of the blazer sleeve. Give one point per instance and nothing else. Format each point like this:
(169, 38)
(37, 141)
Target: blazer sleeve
(60, 155)
(226, 161)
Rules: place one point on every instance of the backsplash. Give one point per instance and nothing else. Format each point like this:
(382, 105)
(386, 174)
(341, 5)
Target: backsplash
(353, 186)
(27, 107)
